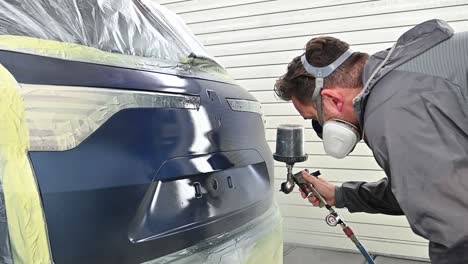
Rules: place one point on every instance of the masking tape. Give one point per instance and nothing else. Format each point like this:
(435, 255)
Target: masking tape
(25, 216)
(76, 52)
(268, 249)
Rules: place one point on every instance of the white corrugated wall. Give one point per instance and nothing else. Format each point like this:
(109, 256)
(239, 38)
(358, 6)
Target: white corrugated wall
(255, 39)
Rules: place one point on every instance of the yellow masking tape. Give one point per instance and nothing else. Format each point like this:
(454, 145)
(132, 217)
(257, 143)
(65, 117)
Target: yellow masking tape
(268, 249)
(25, 216)
(76, 52)
(66, 50)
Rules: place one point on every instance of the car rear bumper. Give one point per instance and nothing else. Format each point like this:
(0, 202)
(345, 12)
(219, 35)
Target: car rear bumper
(259, 241)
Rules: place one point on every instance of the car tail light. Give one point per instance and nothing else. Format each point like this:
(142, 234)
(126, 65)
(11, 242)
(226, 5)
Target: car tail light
(60, 117)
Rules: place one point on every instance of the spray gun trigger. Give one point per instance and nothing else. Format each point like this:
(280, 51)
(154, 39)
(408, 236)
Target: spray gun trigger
(307, 188)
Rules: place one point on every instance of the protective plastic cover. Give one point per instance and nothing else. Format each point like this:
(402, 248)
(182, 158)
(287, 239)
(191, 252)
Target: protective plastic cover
(129, 33)
(259, 241)
(138, 27)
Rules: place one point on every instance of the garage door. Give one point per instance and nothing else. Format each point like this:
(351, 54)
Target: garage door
(255, 39)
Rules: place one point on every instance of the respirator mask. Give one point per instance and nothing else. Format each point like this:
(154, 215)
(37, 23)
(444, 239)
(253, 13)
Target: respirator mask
(339, 137)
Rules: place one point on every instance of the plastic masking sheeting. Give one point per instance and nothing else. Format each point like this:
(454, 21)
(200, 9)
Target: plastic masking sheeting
(133, 27)
(259, 241)
(137, 34)
(27, 229)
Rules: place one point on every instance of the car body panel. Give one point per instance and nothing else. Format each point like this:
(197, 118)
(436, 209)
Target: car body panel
(127, 193)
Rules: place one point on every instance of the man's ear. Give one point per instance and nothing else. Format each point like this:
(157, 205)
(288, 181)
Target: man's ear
(334, 98)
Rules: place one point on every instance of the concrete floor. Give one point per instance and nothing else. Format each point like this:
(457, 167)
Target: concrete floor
(295, 254)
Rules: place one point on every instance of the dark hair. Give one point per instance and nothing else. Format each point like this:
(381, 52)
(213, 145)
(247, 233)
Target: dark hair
(321, 52)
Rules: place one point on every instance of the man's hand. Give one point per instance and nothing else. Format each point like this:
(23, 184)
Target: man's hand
(326, 189)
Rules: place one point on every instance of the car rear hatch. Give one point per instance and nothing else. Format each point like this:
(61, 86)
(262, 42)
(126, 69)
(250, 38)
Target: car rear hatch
(133, 165)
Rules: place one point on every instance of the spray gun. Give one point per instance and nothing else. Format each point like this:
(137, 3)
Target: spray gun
(290, 149)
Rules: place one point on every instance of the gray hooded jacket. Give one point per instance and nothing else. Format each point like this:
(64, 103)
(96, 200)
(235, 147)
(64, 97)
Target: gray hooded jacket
(414, 115)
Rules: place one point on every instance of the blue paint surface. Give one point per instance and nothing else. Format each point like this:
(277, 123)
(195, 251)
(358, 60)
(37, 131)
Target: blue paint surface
(126, 194)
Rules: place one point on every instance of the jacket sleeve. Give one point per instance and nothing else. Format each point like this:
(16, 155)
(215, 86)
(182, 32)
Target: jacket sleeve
(368, 197)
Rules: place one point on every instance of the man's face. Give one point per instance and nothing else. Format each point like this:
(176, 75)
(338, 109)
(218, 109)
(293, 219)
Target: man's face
(307, 111)
(337, 103)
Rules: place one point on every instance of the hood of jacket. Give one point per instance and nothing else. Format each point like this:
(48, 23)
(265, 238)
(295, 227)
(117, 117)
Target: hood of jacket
(411, 44)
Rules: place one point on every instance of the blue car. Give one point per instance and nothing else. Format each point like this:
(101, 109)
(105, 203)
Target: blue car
(123, 141)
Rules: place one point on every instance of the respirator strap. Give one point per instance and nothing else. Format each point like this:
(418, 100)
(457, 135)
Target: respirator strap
(320, 73)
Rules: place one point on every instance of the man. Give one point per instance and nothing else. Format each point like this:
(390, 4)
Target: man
(410, 105)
